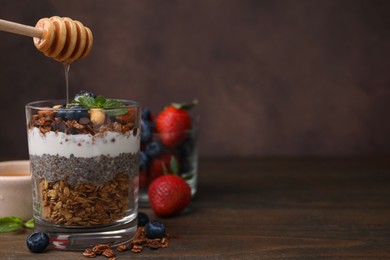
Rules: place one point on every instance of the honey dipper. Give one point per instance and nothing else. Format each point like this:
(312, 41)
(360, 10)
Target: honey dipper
(60, 38)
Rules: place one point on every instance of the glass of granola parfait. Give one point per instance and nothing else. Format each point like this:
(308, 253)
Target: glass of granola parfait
(84, 159)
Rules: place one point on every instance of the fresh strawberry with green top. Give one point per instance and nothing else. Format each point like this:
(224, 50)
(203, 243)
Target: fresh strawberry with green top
(173, 122)
(169, 194)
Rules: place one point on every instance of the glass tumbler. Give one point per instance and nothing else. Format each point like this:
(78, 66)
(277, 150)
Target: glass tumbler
(84, 166)
(159, 157)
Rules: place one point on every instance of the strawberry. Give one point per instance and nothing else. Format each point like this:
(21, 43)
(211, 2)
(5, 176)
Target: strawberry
(169, 194)
(173, 122)
(164, 161)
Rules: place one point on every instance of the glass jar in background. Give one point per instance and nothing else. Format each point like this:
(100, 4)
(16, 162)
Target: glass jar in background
(167, 153)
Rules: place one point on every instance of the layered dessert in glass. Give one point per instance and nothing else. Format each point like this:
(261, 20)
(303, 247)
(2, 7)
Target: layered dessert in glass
(84, 165)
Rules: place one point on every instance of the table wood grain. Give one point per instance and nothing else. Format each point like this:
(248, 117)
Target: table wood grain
(270, 209)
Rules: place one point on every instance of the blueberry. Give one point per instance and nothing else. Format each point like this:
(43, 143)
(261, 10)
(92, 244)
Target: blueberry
(61, 113)
(154, 229)
(84, 94)
(146, 114)
(72, 113)
(76, 112)
(37, 242)
(154, 149)
(142, 219)
(143, 160)
(146, 131)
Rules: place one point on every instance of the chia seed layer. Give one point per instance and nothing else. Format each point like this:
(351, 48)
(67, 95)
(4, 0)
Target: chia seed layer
(77, 170)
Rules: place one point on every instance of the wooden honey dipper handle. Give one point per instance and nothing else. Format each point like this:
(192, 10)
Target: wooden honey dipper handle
(60, 38)
(20, 29)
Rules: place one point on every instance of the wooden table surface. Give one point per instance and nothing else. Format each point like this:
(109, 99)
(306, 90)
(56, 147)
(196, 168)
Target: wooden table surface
(276, 208)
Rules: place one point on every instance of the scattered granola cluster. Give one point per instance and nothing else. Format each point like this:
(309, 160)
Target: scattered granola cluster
(136, 245)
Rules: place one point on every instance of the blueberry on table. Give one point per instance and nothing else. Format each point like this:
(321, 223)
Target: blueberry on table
(142, 219)
(154, 229)
(154, 149)
(37, 242)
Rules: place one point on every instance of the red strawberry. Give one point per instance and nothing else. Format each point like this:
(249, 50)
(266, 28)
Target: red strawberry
(173, 122)
(158, 164)
(169, 194)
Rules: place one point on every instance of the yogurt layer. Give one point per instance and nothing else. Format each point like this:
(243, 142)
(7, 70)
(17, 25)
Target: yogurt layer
(82, 145)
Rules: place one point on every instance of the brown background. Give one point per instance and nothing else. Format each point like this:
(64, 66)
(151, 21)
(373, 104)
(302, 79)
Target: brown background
(274, 78)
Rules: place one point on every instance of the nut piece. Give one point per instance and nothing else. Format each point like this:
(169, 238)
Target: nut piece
(100, 248)
(108, 253)
(122, 248)
(88, 253)
(137, 249)
(97, 116)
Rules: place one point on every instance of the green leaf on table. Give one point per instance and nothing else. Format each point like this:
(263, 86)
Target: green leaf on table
(9, 224)
(29, 223)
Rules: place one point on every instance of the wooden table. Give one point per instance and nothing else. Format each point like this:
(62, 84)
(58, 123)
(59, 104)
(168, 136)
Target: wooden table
(276, 208)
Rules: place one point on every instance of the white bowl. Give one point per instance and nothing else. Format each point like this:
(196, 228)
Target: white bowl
(15, 189)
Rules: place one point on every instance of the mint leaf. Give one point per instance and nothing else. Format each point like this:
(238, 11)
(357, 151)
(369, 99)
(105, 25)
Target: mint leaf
(119, 108)
(9, 224)
(99, 102)
(85, 101)
(116, 112)
(30, 223)
(112, 103)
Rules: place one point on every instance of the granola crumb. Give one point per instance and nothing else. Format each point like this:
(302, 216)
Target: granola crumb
(88, 253)
(136, 245)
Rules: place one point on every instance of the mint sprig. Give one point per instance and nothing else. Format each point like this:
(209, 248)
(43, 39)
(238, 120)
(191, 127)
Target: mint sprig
(111, 107)
(12, 223)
